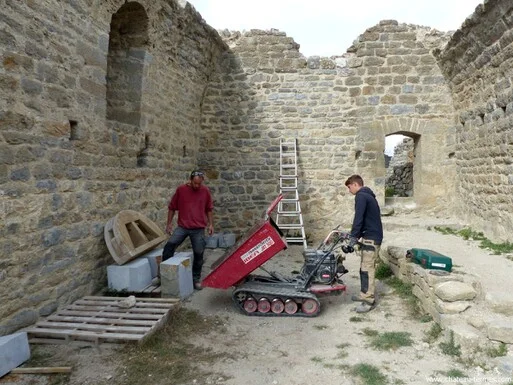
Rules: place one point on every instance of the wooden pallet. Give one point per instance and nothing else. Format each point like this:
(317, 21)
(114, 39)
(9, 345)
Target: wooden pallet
(99, 319)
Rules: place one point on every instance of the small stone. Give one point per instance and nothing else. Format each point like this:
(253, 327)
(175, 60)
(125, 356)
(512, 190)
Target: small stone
(127, 302)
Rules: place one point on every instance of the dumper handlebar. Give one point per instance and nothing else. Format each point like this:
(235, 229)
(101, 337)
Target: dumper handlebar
(334, 237)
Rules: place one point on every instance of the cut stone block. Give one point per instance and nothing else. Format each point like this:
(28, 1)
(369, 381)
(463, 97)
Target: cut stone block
(226, 240)
(14, 351)
(454, 291)
(154, 258)
(133, 276)
(212, 241)
(176, 276)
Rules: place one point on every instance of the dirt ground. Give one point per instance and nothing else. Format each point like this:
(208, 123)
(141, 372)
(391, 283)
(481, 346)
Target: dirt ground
(335, 348)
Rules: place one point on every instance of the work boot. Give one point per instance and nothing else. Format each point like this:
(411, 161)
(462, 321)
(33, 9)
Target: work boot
(356, 298)
(197, 286)
(365, 307)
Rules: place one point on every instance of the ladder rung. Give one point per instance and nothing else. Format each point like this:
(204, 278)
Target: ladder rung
(288, 166)
(294, 226)
(289, 213)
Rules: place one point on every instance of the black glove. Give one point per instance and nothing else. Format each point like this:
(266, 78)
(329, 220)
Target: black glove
(348, 249)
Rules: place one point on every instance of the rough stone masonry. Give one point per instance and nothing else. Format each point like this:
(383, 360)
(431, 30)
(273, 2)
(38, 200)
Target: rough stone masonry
(107, 105)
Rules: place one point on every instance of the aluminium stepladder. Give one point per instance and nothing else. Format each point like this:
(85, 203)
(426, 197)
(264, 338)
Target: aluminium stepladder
(289, 217)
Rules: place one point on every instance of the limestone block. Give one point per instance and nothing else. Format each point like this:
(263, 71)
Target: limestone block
(451, 307)
(434, 279)
(397, 253)
(468, 337)
(454, 291)
(500, 329)
(14, 351)
(176, 276)
(133, 276)
(154, 258)
(416, 269)
(500, 302)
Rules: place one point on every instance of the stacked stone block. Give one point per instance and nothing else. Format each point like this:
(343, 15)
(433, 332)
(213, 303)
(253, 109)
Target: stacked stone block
(439, 294)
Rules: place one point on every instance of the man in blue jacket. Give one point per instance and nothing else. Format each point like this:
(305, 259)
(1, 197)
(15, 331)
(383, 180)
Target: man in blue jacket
(367, 226)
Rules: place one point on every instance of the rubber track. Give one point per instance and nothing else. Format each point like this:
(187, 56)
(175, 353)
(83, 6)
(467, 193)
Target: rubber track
(266, 290)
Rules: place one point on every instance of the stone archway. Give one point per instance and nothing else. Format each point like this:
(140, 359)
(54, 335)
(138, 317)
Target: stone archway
(128, 42)
(431, 187)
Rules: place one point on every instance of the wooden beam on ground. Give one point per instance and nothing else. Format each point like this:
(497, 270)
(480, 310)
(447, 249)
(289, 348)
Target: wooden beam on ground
(42, 370)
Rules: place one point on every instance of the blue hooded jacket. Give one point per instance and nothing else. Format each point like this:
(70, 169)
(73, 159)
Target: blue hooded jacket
(367, 216)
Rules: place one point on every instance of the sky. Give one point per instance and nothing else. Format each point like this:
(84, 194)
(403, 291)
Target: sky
(329, 27)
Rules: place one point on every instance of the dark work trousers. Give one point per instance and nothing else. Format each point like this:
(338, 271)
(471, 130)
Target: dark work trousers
(197, 237)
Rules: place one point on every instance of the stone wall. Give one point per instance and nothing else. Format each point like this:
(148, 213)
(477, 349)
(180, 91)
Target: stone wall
(340, 111)
(477, 64)
(99, 112)
(108, 107)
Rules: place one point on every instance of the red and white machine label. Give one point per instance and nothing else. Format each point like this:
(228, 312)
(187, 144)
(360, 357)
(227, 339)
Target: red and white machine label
(248, 256)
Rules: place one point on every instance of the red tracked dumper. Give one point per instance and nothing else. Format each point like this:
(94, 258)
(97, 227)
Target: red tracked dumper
(274, 294)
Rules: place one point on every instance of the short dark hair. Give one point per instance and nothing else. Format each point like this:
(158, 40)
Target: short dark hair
(354, 179)
(197, 173)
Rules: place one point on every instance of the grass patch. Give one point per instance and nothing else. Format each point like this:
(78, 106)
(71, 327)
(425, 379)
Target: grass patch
(169, 353)
(391, 340)
(499, 351)
(450, 348)
(452, 373)
(320, 327)
(485, 243)
(383, 271)
(369, 374)
(342, 352)
(39, 357)
(356, 319)
(316, 359)
(433, 333)
(370, 332)
(405, 291)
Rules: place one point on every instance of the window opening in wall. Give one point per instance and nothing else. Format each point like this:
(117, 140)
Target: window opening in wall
(73, 130)
(142, 156)
(128, 41)
(399, 159)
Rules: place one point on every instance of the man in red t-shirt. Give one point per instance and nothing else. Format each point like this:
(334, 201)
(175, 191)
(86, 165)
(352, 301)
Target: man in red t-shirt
(194, 204)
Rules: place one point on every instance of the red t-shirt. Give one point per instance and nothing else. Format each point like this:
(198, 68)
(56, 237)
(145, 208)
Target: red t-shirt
(192, 206)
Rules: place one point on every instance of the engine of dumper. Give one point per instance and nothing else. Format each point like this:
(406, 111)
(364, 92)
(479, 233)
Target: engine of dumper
(327, 270)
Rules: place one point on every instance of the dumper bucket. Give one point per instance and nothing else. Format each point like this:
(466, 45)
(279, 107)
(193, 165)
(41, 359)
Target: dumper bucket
(262, 242)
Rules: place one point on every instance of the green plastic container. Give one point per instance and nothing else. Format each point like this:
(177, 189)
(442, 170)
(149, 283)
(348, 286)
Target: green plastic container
(430, 259)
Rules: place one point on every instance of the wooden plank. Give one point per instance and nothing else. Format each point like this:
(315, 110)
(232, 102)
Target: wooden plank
(42, 370)
(118, 309)
(138, 304)
(90, 327)
(112, 315)
(169, 299)
(84, 334)
(106, 321)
